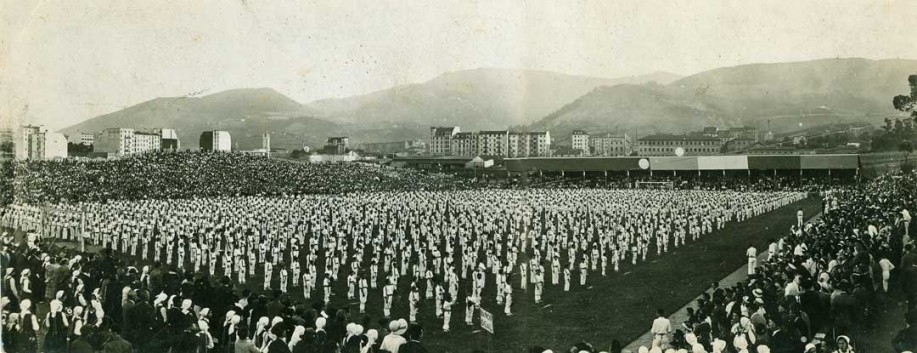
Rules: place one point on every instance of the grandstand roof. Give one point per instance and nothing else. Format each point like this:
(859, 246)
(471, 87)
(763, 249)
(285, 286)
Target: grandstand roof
(724, 162)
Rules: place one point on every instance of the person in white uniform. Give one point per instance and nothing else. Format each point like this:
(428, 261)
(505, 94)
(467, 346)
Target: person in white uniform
(752, 255)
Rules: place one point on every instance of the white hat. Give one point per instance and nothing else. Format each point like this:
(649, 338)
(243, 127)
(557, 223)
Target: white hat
(402, 327)
(319, 323)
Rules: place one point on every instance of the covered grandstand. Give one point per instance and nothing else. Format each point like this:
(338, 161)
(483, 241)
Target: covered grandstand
(839, 164)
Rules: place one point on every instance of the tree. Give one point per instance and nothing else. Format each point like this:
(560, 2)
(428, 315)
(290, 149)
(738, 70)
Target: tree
(898, 134)
(908, 103)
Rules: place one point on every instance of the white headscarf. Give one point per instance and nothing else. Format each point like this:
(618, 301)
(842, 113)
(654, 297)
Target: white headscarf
(297, 336)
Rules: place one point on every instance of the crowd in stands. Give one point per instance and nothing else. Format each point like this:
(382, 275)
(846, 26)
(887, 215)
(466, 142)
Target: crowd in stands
(174, 175)
(818, 286)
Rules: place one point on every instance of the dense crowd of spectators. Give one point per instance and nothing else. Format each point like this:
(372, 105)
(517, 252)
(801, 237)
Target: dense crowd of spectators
(818, 287)
(175, 175)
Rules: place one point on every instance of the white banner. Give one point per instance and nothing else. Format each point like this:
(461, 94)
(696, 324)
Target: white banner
(487, 321)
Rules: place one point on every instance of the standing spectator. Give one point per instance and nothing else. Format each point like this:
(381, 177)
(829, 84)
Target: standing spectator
(393, 341)
(414, 333)
(661, 329)
(244, 343)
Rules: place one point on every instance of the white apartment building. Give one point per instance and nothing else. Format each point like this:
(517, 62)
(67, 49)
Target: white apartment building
(35, 142)
(539, 144)
(121, 141)
(441, 140)
(464, 144)
(115, 141)
(610, 145)
(81, 138)
(580, 141)
(146, 142)
(493, 143)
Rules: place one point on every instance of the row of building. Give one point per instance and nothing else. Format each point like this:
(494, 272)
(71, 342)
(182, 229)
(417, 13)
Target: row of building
(601, 144)
(121, 141)
(711, 140)
(36, 142)
(451, 141)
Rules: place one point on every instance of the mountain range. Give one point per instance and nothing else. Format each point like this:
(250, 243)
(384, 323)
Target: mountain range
(786, 96)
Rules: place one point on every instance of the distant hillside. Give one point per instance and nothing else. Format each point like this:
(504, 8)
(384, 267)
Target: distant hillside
(472, 99)
(791, 95)
(634, 109)
(245, 113)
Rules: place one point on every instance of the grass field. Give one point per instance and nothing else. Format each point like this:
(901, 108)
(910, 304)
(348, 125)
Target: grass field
(619, 307)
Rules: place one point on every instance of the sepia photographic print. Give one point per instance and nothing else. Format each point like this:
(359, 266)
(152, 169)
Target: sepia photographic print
(401, 176)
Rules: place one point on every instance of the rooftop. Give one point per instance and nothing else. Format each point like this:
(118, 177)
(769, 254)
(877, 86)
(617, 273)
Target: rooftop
(666, 137)
(442, 131)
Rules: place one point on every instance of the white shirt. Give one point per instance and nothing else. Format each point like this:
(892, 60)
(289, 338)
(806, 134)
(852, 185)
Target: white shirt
(661, 326)
(886, 265)
(751, 252)
(392, 342)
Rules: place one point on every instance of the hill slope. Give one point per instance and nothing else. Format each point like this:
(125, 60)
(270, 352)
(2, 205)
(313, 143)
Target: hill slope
(245, 113)
(790, 95)
(472, 99)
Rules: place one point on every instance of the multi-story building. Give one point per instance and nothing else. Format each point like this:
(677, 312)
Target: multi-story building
(81, 138)
(711, 131)
(337, 145)
(124, 141)
(580, 141)
(55, 145)
(30, 144)
(493, 143)
(146, 142)
(518, 144)
(667, 145)
(266, 141)
(464, 144)
(610, 145)
(441, 140)
(168, 139)
(500, 143)
(539, 144)
(115, 141)
(744, 132)
(217, 141)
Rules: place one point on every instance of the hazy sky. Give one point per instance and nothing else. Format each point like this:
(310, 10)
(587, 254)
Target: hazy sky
(64, 61)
